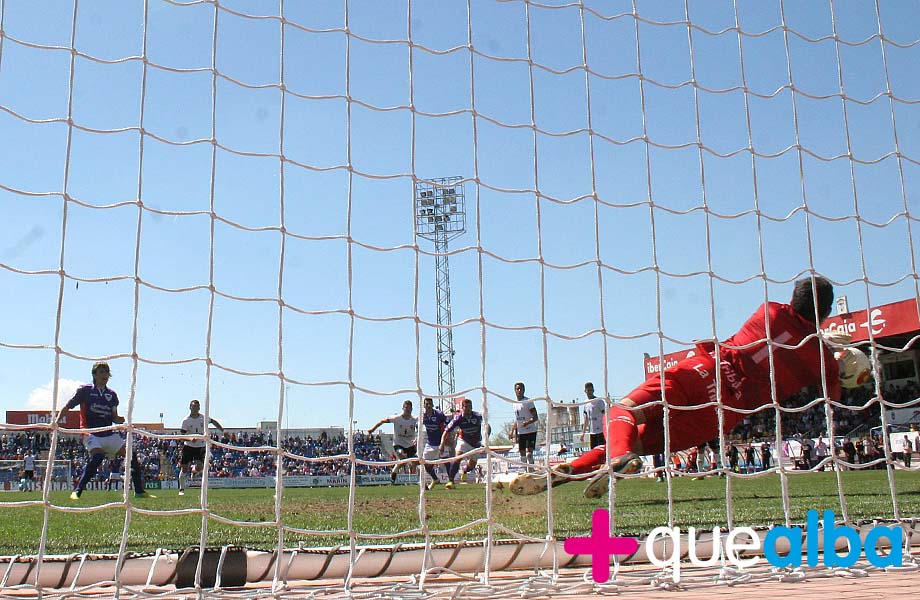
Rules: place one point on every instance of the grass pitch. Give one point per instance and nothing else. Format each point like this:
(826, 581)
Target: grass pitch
(641, 505)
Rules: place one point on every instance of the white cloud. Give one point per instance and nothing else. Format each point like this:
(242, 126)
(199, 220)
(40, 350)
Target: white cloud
(40, 397)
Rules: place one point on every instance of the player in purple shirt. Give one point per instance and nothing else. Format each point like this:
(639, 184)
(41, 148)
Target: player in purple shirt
(434, 422)
(99, 408)
(470, 425)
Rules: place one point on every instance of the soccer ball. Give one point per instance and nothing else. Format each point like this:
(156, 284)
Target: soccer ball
(855, 367)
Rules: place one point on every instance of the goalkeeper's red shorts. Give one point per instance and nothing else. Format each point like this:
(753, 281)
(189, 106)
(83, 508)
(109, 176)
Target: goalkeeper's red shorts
(693, 416)
(690, 391)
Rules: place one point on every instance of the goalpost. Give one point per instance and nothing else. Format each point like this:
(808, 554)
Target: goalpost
(218, 196)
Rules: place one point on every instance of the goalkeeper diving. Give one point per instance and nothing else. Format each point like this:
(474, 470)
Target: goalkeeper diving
(751, 373)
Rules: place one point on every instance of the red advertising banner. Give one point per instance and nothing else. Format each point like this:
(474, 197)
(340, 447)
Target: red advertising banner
(653, 366)
(71, 420)
(36, 417)
(886, 320)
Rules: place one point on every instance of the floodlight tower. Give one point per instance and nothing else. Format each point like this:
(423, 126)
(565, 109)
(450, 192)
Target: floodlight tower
(440, 215)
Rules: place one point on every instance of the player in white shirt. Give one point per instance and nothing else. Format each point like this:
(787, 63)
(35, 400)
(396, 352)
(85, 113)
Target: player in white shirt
(405, 437)
(193, 450)
(27, 481)
(525, 424)
(594, 422)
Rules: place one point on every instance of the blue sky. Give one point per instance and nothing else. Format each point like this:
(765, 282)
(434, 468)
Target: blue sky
(618, 223)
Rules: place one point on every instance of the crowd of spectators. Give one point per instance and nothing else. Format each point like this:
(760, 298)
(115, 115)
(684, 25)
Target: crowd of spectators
(854, 419)
(853, 422)
(159, 456)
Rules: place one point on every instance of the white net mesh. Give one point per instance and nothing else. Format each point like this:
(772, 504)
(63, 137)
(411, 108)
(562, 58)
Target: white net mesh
(217, 198)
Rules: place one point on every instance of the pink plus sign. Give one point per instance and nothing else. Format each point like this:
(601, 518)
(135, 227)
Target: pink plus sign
(600, 545)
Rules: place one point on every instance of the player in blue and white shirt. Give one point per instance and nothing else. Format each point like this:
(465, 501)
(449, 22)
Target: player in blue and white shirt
(99, 408)
(469, 423)
(434, 422)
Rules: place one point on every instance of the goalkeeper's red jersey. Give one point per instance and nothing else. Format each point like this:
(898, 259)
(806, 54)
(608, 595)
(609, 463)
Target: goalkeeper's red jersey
(793, 368)
(745, 378)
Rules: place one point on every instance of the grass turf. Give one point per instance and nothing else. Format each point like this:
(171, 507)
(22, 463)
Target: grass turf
(641, 505)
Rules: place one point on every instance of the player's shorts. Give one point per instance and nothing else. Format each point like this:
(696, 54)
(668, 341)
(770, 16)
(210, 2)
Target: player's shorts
(450, 446)
(689, 383)
(431, 452)
(596, 439)
(409, 451)
(28, 474)
(191, 454)
(463, 447)
(110, 444)
(527, 441)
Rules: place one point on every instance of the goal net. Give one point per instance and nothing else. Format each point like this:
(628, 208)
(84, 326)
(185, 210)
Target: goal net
(219, 199)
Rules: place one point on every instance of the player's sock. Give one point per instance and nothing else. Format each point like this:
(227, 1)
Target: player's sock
(137, 476)
(621, 436)
(590, 460)
(182, 480)
(431, 472)
(621, 431)
(89, 471)
(452, 469)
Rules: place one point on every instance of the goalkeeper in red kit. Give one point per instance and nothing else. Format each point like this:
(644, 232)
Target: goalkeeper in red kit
(635, 426)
